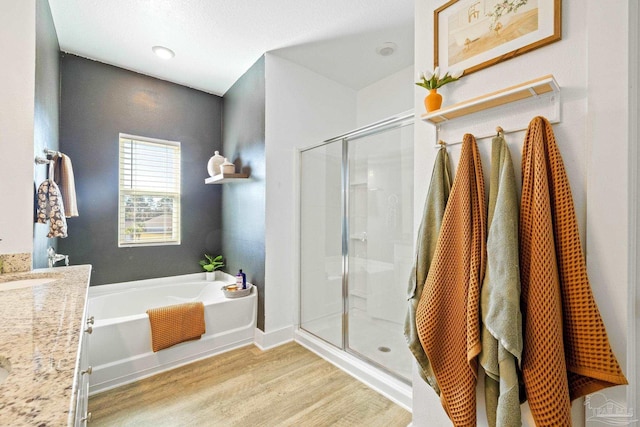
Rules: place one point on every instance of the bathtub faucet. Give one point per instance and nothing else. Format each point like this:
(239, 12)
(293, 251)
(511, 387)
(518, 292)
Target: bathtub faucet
(54, 257)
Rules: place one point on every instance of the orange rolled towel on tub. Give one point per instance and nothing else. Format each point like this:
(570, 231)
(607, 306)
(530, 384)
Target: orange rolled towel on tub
(174, 324)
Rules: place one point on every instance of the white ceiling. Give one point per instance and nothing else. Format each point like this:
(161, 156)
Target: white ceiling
(216, 41)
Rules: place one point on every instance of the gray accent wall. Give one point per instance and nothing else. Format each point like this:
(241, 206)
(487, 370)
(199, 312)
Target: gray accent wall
(98, 102)
(244, 202)
(46, 114)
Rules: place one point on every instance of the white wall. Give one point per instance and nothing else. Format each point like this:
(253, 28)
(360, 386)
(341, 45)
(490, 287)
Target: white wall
(608, 233)
(592, 137)
(303, 108)
(634, 220)
(17, 80)
(386, 97)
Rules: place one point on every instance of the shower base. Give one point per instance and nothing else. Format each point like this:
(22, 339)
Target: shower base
(381, 341)
(384, 345)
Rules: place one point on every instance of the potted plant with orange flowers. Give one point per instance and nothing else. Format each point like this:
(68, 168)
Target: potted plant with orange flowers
(432, 81)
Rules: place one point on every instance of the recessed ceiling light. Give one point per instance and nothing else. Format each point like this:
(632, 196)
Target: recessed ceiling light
(163, 52)
(386, 49)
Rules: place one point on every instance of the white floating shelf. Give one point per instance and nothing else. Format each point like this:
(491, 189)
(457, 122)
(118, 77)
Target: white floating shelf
(524, 90)
(226, 177)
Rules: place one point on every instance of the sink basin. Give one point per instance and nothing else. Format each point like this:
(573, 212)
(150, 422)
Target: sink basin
(25, 283)
(5, 368)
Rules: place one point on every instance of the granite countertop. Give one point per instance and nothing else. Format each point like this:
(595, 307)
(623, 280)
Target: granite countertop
(40, 329)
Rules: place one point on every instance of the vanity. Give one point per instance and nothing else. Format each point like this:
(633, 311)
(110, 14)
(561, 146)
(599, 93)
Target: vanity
(44, 333)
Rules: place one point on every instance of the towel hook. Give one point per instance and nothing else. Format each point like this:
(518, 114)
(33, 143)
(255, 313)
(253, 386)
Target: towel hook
(500, 131)
(51, 153)
(42, 160)
(442, 143)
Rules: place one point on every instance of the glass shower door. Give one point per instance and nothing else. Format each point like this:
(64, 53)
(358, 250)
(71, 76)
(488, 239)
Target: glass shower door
(321, 295)
(356, 242)
(380, 246)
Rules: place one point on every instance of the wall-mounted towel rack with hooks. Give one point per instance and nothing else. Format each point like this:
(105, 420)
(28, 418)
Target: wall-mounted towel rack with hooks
(530, 89)
(499, 132)
(513, 107)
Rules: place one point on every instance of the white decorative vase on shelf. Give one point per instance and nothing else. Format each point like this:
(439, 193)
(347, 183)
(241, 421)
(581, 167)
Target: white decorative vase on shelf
(213, 166)
(227, 167)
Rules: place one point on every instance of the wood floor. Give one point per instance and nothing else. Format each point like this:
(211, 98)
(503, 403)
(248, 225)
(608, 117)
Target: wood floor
(284, 386)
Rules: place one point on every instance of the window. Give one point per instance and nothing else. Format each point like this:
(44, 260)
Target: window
(149, 206)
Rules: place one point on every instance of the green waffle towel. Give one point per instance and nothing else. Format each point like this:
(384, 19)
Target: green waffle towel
(434, 207)
(500, 296)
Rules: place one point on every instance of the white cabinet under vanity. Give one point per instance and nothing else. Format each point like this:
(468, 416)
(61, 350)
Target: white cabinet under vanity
(44, 347)
(83, 374)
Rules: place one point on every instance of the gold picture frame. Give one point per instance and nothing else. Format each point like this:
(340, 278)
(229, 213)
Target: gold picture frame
(476, 34)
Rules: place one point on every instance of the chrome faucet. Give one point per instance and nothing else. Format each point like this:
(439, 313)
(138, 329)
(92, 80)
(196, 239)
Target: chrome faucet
(54, 257)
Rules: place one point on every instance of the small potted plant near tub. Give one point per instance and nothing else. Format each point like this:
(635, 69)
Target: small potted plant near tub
(211, 265)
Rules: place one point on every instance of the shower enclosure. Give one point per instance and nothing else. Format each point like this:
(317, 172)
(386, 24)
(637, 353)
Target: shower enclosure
(356, 242)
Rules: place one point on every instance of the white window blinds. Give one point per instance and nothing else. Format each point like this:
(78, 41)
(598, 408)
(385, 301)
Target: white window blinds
(149, 207)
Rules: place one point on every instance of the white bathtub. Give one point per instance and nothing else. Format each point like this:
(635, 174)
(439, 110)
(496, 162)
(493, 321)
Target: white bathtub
(120, 345)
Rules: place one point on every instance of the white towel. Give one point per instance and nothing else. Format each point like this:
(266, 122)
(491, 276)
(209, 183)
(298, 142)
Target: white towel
(66, 182)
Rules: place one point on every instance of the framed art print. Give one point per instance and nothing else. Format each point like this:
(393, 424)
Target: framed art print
(474, 34)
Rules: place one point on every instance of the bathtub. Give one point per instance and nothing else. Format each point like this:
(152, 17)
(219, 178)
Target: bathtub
(120, 344)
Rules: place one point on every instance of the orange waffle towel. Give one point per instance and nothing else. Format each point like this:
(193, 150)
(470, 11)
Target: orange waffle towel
(174, 324)
(566, 351)
(448, 315)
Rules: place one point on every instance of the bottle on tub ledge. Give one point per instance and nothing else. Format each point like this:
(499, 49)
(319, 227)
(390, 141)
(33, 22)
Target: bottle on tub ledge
(241, 280)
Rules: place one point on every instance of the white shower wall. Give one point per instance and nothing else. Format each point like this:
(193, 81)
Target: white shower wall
(304, 108)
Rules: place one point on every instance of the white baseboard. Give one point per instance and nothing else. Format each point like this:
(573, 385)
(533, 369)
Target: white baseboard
(271, 339)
